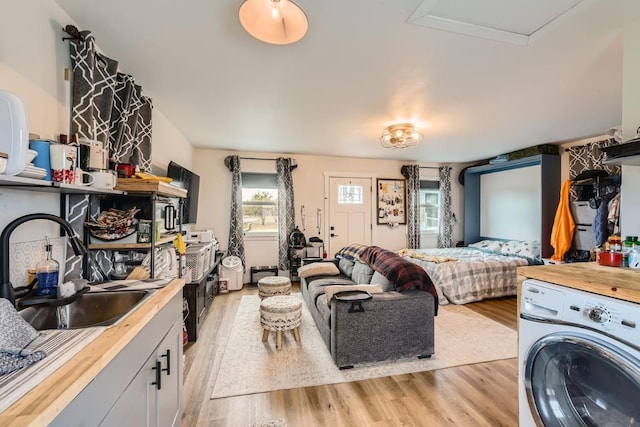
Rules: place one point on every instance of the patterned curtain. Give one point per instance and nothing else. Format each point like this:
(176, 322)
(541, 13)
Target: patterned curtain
(445, 232)
(94, 80)
(123, 129)
(588, 157)
(97, 94)
(286, 211)
(236, 232)
(412, 174)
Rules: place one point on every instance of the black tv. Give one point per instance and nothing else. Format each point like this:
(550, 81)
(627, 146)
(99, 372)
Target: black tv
(183, 177)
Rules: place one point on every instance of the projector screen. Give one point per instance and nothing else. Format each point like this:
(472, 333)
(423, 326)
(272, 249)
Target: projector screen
(511, 204)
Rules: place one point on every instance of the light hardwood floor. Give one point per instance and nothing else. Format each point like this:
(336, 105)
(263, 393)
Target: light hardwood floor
(484, 394)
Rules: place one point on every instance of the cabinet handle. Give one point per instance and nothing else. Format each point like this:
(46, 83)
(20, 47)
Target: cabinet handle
(158, 381)
(167, 355)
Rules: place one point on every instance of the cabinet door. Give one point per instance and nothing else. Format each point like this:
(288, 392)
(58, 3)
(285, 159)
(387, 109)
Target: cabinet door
(169, 396)
(135, 405)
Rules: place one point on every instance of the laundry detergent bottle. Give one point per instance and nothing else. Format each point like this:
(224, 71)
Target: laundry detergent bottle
(47, 271)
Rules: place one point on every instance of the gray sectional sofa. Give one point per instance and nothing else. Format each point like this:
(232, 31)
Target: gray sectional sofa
(389, 325)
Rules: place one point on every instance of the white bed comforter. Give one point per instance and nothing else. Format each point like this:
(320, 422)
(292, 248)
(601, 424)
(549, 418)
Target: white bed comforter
(474, 275)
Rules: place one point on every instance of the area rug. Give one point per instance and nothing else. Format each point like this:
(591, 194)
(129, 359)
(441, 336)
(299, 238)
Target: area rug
(249, 366)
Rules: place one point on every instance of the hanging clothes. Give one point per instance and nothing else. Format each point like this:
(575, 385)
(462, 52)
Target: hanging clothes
(601, 221)
(563, 225)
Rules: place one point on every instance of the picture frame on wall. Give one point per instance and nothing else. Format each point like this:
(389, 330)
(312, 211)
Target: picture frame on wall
(391, 201)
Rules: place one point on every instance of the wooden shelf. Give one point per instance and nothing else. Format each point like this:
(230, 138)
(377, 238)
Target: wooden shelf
(168, 238)
(136, 185)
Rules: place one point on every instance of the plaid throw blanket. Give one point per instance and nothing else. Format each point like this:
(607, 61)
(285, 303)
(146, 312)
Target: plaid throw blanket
(402, 273)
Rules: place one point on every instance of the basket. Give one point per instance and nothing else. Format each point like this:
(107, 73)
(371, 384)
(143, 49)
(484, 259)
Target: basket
(197, 259)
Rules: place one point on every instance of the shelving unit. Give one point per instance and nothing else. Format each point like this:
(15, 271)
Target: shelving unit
(152, 190)
(198, 295)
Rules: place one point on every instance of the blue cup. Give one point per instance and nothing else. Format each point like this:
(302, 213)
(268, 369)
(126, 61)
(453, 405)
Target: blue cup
(43, 159)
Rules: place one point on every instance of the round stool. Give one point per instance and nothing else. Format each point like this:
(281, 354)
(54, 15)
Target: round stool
(280, 313)
(273, 285)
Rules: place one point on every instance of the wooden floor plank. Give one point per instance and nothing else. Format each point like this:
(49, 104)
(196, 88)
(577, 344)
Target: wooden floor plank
(483, 394)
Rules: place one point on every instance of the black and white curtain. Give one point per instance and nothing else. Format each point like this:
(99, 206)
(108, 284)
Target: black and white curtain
(236, 232)
(590, 157)
(286, 210)
(445, 231)
(107, 107)
(412, 174)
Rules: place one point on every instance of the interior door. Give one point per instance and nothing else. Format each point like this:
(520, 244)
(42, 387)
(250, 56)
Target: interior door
(349, 212)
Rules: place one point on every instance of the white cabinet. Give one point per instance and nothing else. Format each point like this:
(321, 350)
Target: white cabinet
(142, 385)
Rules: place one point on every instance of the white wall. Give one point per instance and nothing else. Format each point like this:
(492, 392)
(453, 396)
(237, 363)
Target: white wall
(629, 199)
(308, 178)
(33, 58)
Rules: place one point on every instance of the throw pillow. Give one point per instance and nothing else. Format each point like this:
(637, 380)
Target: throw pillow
(318, 269)
(362, 273)
(346, 266)
(385, 284)
(352, 252)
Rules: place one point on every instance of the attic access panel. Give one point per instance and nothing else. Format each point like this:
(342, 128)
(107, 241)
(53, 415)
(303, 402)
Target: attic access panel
(513, 21)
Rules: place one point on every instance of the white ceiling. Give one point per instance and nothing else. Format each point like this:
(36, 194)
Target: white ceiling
(365, 64)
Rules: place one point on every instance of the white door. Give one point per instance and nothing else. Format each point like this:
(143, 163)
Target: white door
(349, 212)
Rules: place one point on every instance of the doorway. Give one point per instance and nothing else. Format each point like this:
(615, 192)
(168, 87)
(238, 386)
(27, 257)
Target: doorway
(350, 207)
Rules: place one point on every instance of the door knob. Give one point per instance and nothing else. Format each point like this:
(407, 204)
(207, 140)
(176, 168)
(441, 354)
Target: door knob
(334, 235)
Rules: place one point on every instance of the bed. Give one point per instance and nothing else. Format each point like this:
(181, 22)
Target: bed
(483, 270)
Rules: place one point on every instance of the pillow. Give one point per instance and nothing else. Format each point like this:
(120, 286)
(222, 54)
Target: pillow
(522, 248)
(352, 252)
(361, 274)
(488, 245)
(346, 266)
(385, 284)
(318, 269)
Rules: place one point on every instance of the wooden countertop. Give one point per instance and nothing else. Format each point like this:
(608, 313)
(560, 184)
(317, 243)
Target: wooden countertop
(616, 282)
(45, 401)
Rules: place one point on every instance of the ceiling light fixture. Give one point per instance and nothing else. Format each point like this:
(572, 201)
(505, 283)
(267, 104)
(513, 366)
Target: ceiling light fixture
(400, 135)
(273, 21)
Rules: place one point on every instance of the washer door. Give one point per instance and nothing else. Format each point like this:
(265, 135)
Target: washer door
(580, 380)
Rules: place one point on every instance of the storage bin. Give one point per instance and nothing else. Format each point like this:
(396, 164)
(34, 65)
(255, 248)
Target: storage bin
(583, 238)
(582, 213)
(196, 260)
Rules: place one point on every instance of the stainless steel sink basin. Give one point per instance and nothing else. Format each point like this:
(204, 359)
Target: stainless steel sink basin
(90, 309)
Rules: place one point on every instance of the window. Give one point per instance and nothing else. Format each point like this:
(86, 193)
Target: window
(351, 194)
(259, 203)
(429, 206)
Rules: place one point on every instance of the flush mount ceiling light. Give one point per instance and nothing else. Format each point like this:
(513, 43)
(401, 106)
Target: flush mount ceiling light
(273, 21)
(400, 135)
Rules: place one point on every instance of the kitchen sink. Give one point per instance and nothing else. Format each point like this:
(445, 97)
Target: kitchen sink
(89, 309)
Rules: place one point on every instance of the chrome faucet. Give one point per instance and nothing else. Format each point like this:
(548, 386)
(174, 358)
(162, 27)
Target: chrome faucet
(6, 288)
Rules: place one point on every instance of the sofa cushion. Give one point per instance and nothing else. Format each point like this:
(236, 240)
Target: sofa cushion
(352, 252)
(346, 266)
(318, 269)
(385, 284)
(361, 274)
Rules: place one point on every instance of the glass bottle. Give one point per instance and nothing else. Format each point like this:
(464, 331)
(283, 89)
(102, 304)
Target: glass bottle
(47, 273)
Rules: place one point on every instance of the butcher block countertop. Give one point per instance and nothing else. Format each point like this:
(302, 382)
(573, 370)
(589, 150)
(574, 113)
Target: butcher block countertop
(616, 282)
(45, 401)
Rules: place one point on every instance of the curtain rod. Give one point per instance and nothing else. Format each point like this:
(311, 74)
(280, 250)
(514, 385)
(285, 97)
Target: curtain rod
(429, 167)
(256, 158)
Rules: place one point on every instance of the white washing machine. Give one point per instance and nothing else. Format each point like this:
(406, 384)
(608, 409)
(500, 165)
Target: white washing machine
(579, 358)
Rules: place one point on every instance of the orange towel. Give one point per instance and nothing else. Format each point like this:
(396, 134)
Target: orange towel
(563, 225)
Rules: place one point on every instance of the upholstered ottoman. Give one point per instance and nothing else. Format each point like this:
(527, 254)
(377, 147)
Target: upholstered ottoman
(273, 285)
(281, 313)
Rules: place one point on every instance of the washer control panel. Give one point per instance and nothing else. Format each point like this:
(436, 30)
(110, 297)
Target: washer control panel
(599, 314)
(612, 316)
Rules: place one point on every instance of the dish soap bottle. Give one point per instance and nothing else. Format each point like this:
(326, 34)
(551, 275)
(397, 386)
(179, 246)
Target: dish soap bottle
(47, 274)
